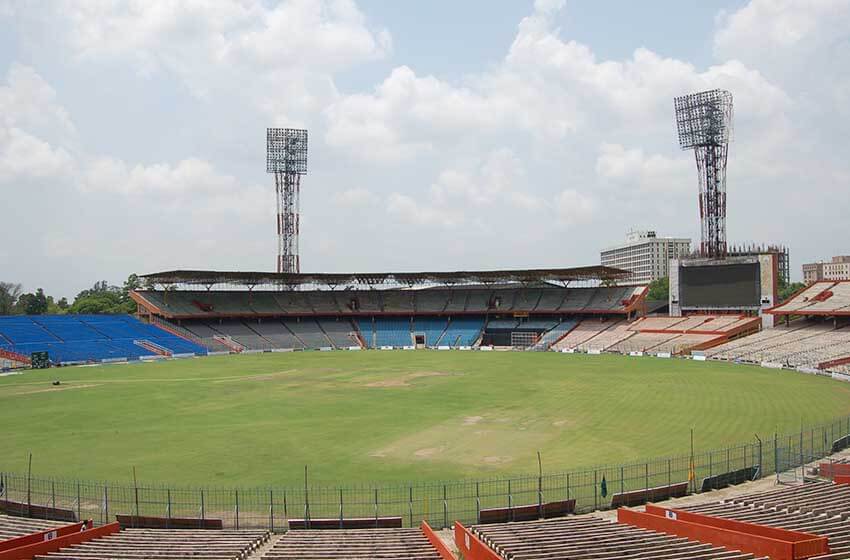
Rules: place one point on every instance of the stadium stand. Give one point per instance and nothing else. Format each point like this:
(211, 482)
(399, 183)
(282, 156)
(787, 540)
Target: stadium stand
(802, 343)
(11, 527)
(608, 337)
(642, 342)
(462, 331)
(828, 298)
(591, 537)
(554, 334)
(90, 338)
(309, 332)
(549, 300)
(133, 544)
(353, 543)
(583, 332)
(431, 327)
(392, 331)
(339, 331)
(818, 508)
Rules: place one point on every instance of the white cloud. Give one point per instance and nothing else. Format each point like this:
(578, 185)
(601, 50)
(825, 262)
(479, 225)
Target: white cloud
(631, 167)
(354, 198)
(574, 208)
(23, 156)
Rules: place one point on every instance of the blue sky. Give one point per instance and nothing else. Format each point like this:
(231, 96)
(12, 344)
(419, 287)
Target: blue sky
(444, 135)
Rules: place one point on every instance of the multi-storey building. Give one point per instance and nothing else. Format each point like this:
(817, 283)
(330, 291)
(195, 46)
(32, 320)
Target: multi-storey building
(646, 255)
(836, 269)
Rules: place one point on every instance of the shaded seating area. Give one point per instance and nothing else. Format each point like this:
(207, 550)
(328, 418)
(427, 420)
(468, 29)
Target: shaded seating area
(135, 544)
(364, 543)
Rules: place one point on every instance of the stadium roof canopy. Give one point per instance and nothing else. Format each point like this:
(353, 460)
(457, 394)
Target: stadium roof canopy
(209, 278)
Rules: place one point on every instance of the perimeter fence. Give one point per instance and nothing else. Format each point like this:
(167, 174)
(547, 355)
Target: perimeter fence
(440, 503)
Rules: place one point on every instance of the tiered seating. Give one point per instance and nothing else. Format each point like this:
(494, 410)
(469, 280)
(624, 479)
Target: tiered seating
(801, 344)
(502, 324)
(551, 299)
(339, 331)
(462, 331)
(554, 334)
(134, 544)
(577, 299)
(392, 331)
(398, 301)
(242, 333)
(479, 300)
(642, 342)
(608, 337)
(11, 527)
(367, 331)
(353, 543)
(431, 301)
(823, 298)
(457, 301)
(659, 323)
(323, 302)
(86, 338)
(683, 343)
(431, 327)
(308, 331)
(293, 302)
(590, 537)
(818, 508)
(583, 332)
(276, 333)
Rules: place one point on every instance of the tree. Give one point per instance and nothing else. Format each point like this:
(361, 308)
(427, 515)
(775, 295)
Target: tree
(659, 290)
(9, 294)
(787, 290)
(105, 299)
(32, 304)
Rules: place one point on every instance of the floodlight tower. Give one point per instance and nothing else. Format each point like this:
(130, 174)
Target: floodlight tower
(286, 157)
(704, 122)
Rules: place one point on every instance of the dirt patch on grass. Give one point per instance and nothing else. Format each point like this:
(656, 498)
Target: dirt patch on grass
(259, 377)
(563, 423)
(428, 452)
(54, 389)
(472, 420)
(494, 460)
(405, 380)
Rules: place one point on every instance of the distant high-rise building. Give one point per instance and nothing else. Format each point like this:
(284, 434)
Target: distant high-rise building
(837, 269)
(646, 255)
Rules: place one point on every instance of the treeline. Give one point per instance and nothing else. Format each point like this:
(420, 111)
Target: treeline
(99, 299)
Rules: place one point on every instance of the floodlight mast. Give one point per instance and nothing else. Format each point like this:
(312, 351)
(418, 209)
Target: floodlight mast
(704, 123)
(286, 157)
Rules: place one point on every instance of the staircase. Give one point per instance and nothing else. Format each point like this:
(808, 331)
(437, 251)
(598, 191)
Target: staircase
(153, 347)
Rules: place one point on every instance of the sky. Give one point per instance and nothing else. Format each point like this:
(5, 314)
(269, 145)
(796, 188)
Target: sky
(444, 135)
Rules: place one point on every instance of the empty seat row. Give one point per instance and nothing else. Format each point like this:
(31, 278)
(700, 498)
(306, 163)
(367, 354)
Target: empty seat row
(353, 543)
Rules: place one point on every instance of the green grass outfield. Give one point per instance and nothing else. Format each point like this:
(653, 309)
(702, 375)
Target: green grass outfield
(389, 416)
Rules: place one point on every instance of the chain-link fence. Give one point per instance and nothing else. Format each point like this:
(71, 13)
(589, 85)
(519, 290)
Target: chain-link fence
(440, 503)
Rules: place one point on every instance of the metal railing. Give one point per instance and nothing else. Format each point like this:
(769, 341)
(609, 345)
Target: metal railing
(439, 503)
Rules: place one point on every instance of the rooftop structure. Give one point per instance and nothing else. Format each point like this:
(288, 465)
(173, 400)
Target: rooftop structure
(645, 255)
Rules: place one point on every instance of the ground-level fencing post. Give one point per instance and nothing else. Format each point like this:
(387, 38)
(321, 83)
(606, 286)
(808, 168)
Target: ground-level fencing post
(410, 504)
(445, 507)
(595, 492)
(203, 511)
(105, 504)
(477, 503)
(622, 485)
(271, 510)
(79, 505)
(237, 509)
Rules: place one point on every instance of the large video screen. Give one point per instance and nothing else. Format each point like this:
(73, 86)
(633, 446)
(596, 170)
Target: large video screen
(720, 286)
